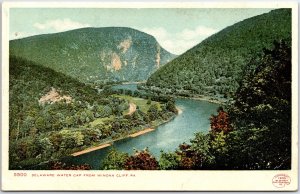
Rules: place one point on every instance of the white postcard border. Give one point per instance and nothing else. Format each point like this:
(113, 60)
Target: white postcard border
(147, 180)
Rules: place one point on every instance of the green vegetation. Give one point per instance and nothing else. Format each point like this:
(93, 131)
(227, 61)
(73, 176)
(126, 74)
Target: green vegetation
(141, 103)
(53, 115)
(262, 123)
(100, 121)
(114, 160)
(95, 55)
(253, 134)
(216, 66)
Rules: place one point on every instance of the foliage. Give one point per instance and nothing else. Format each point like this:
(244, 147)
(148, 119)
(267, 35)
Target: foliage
(51, 130)
(141, 160)
(220, 122)
(42, 131)
(114, 160)
(169, 161)
(95, 55)
(216, 65)
(255, 132)
(262, 112)
(63, 166)
(196, 155)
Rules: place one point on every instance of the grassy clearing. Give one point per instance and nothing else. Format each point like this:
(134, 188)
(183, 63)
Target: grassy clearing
(140, 102)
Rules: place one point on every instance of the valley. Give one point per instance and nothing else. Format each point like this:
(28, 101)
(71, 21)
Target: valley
(55, 127)
(112, 98)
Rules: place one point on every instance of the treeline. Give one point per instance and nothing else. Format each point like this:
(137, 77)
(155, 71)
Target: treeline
(216, 66)
(140, 93)
(253, 133)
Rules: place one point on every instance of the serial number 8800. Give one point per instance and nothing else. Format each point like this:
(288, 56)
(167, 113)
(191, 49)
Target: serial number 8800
(20, 174)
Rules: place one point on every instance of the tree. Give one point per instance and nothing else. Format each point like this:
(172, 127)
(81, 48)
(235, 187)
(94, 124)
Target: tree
(28, 123)
(220, 122)
(71, 139)
(153, 112)
(171, 106)
(261, 113)
(141, 160)
(169, 161)
(40, 123)
(200, 145)
(69, 121)
(114, 160)
(91, 135)
(149, 101)
(46, 147)
(219, 147)
(63, 166)
(56, 140)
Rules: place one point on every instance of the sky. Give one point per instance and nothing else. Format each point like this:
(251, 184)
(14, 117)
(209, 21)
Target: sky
(176, 29)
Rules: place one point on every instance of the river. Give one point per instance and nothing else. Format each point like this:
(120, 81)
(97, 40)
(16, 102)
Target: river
(194, 118)
(132, 87)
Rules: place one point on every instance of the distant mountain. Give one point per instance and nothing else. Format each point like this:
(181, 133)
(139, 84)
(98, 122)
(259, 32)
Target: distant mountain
(95, 54)
(216, 66)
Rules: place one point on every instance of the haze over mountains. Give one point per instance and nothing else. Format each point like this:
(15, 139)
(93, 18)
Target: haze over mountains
(95, 54)
(216, 66)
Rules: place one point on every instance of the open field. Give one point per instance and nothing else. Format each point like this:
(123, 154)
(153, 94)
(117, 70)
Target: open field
(139, 102)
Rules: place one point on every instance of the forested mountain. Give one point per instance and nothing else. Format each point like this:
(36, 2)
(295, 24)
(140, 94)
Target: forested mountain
(95, 54)
(217, 65)
(252, 133)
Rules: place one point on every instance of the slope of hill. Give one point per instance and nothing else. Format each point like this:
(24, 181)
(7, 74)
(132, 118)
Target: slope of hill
(52, 115)
(41, 102)
(216, 66)
(95, 54)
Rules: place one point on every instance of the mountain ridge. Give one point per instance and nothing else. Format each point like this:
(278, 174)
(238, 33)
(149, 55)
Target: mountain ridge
(215, 66)
(95, 54)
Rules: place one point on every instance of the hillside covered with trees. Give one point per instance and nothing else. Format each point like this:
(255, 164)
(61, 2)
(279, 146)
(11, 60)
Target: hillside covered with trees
(217, 65)
(95, 55)
(53, 115)
(55, 110)
(253, 133)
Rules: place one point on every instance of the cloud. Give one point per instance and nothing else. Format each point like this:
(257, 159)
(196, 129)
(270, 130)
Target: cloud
(180, 42)
(59, 25)
(200, 31)
(157, 32)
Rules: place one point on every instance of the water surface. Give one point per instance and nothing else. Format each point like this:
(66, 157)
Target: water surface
(194, 118)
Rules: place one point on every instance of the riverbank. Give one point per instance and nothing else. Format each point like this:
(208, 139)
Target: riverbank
(179, 110)
(107, 144)
(202, 98)
(91, 149)
(210, 99)
(133, 135)
(128, 83)
(147, 130)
